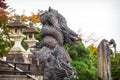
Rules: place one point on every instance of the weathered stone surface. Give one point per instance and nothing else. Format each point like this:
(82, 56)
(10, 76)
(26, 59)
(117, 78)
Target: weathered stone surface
(53, 19)
(54, 60)
(104, 63)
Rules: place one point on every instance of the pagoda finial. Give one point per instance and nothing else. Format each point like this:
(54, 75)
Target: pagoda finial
(31, 24)
(18, 18)
(50, 9)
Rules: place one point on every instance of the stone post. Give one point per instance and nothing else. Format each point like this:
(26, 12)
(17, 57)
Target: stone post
(28, 55)
(104, 72)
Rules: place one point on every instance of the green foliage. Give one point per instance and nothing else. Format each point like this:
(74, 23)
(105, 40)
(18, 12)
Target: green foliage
(38, 36)
(93, 54)
(115, 67)
(77, 52)
(5, 42)
(72, 51)
(24, 44)
(85, 66)
(4, 47)
(82, 50)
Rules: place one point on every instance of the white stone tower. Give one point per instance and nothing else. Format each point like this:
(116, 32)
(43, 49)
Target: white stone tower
(30, 37)
(30, 40)
(16, 33)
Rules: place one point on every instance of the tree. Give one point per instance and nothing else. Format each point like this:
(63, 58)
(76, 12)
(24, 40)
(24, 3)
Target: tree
(35, 18)
(3, 4)
(81, 61)
(93, 50)
(5, 42)
(115, 66)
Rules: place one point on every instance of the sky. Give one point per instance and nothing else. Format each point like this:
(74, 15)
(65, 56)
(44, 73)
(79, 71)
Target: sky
(100, 17)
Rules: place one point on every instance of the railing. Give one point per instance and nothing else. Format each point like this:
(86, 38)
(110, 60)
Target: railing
(15, 67)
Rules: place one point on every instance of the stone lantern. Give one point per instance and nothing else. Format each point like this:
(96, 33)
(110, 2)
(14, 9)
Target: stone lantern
(30, 37)
(16, 29)
(30, 40)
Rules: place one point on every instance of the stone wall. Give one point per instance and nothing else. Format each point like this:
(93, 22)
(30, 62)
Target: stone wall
(35, 70)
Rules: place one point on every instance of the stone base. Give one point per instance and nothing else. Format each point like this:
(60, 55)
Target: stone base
(15, 57)
(25, 58)
(35, 70)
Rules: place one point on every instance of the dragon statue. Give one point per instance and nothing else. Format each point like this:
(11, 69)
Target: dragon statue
(53, 58)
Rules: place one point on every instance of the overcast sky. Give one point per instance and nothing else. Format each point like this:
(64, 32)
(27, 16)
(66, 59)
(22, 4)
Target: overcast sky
(101, 17)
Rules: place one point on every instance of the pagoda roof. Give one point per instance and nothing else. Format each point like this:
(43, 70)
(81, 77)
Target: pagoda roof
(30, 29)
(16, 24)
